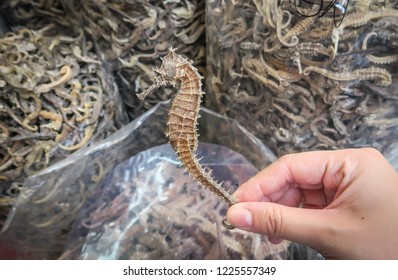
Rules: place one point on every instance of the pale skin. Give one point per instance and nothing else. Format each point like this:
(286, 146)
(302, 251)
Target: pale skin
(344, 203)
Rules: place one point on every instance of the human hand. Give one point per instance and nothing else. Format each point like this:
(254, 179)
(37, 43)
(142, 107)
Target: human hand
(348, 198)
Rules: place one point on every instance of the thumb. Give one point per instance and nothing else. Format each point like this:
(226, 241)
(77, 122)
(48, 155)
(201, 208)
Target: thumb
(316, 228)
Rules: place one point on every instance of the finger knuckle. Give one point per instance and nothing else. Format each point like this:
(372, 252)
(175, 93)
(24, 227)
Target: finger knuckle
(284, 159)
(372, 152)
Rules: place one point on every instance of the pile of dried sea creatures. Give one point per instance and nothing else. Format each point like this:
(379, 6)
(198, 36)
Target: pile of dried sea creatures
(130, 35)
(306, 76)
(59, 67)
(55, 98)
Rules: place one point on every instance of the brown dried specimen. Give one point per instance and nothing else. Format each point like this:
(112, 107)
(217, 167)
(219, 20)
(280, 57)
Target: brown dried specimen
(382, 76)
(183, 115)
(388, 59)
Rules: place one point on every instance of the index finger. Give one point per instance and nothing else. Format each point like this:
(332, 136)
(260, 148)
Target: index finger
(325, 170)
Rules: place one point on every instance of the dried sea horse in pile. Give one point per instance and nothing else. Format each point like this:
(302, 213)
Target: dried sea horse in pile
(183, 117)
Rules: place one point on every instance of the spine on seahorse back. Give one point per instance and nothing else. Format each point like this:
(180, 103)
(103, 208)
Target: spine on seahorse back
(182, 122)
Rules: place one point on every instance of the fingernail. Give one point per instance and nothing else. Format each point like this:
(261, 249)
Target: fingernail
(240, 217)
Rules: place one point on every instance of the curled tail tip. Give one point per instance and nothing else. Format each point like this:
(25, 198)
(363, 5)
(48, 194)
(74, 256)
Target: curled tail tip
(141, 96)
(227, 225)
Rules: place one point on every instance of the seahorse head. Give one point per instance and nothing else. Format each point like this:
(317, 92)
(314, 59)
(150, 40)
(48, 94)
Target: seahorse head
(170, 68)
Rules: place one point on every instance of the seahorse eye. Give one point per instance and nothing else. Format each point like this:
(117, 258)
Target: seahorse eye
(171, 72)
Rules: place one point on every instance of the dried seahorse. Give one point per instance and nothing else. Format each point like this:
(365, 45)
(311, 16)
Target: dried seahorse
(376, 59)
(382, 76)
(292, 34)
(358, 19)
(183, 116)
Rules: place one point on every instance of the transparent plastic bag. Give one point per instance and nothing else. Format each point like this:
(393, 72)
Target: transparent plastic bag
(306, 75)
(44, 213)
(150, 208)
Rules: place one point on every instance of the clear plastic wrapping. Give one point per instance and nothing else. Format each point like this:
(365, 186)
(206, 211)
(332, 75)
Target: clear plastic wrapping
(306, 75)
(150, 208)
(46, 209)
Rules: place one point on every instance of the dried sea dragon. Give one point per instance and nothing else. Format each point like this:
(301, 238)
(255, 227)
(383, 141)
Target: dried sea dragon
(183, 116)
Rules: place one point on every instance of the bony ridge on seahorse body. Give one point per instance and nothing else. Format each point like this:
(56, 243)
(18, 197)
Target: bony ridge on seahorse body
(183, 115)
